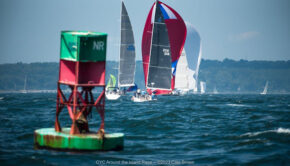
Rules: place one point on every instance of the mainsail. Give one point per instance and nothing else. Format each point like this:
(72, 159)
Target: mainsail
(159, 73)
(127, 51)
(265, 89)
(192, 48)
(163, 39)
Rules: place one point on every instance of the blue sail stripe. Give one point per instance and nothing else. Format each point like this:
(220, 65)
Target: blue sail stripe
(165, 15)
(173, 65)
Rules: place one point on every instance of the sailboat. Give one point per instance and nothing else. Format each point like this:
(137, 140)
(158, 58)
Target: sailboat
(162, 42)
(24, 87)
(239, 89)
(265, 89)
(127, 53)
(202, 87)
(215, 90)
(112, 92)
(127, 62)
(189, 62)
(193, 50)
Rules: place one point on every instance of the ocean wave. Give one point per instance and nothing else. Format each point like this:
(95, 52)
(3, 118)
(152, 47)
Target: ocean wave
(237, 105)
(1, 98)
(279, 131)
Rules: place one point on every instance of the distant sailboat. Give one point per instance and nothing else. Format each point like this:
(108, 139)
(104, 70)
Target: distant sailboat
(162, 42)
(215, 90)
(127, 52)
(188, 64)
(193, 50)
(24, 86)
(202, 87)
(265, 89)
(112, 93)
(239, 89)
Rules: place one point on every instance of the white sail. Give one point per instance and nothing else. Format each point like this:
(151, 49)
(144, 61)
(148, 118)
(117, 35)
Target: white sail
(202, 87)
(192, 48)
(188, 64)
(181, 76)
(265, 89)
(215, 90)
(192, 83)
(127, 51)
(24, 87)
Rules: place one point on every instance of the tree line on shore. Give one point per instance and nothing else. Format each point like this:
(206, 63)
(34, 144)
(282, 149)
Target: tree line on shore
(227, 76)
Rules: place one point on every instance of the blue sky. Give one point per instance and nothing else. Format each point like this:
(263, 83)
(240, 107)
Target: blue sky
(235, 29)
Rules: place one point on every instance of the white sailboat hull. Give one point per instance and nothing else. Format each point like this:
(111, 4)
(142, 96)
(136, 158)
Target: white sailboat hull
(141, 98)
(112, 96)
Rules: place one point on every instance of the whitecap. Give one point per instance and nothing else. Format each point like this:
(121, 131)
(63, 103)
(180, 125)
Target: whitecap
(1, 98)
(282, 130)
(253, 134)
(237, 105)
(279, 131)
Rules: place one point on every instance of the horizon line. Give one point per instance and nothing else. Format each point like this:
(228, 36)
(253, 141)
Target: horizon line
(225, 59)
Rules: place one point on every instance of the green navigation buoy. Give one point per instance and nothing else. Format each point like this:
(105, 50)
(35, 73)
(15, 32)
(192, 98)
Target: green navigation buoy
(82, 69)
(49, 138)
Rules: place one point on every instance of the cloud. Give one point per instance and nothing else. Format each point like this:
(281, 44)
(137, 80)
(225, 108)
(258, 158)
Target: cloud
(244, 36)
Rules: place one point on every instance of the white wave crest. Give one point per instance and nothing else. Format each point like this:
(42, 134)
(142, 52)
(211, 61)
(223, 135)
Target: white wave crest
(1, 98)
(237, 105)
(279, 131)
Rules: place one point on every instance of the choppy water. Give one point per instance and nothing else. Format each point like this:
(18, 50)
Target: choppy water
(181, 130)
